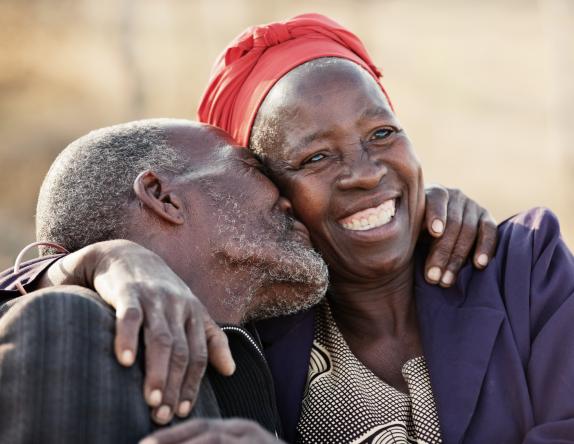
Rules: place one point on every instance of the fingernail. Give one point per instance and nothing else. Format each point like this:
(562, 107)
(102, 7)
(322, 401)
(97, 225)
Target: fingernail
(437, 226)
(184, 408)
(163, 413)
(434, 274)
(127, 357)
(232, 366)
(482, 260)
(155, 398)
(447, 277)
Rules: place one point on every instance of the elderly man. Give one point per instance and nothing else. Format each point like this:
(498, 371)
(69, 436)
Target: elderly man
(205, 209)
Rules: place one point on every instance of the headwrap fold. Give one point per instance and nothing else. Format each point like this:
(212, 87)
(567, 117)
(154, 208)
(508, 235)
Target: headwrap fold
(249, 67)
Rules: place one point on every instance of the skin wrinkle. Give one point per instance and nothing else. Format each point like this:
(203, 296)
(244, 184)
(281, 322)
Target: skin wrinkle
(294, 263)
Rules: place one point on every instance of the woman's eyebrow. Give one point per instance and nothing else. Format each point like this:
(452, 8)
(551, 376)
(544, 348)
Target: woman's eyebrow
(376, 112)
(310, 138)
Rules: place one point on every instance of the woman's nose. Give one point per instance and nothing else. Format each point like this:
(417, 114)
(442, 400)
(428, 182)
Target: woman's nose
(285, 206)
(363, 172)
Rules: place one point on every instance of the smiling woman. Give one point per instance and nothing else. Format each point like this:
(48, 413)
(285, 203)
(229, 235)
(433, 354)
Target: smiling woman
(327, 131)
(341, 156)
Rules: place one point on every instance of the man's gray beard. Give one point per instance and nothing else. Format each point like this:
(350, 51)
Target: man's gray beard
(299, 268)
(292, 280)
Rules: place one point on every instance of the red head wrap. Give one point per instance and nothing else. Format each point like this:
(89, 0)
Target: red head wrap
(249, 67)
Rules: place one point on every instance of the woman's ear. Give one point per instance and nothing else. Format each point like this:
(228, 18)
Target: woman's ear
(154, 192)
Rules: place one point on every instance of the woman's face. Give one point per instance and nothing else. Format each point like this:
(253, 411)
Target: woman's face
(336, 149)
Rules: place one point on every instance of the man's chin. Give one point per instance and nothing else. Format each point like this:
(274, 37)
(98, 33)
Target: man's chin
(296, 282)
(278, 308)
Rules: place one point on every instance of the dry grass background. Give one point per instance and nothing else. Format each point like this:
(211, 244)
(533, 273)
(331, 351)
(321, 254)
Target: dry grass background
(485, 89)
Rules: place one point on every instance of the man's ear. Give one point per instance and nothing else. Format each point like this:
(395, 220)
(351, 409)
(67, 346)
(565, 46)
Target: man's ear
(155, 193)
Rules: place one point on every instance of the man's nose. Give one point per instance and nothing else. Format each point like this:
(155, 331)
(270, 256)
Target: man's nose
(363, 171)
(285, 206)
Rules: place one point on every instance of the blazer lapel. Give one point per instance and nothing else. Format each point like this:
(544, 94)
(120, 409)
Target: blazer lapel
(457, 343)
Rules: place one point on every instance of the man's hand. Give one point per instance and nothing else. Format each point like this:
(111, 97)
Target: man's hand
(216, 431)
(457, 223)
(178, 332)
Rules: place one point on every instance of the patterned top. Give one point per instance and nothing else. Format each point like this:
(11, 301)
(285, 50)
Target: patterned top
(345, 402)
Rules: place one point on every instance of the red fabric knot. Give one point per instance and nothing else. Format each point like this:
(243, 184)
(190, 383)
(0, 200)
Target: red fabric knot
(271, 35)
(261, 55)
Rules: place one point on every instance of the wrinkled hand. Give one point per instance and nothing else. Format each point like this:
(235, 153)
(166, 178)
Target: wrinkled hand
(216, 431)
(458, 223)
(179, 334)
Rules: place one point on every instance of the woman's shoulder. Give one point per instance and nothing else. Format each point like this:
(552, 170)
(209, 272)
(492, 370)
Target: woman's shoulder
(531, 272)
(527, 241)
(534, 268)
(539, 225)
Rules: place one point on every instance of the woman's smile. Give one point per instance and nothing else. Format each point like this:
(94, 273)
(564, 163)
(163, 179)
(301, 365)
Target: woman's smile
(370, 218)
(374, 224)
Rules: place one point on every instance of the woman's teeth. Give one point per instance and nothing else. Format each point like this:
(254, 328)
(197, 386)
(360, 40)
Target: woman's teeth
(371, 217)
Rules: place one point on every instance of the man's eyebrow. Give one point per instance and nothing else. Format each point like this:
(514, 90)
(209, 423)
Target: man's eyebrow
(376, 112)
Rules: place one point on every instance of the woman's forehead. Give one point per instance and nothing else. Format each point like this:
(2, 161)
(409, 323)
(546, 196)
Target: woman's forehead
(310, 97)
(319, 81)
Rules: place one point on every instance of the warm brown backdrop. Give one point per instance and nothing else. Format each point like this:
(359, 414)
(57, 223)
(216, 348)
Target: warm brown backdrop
(485, 88)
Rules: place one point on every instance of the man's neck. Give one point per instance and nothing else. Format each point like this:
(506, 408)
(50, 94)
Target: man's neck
(225, 301)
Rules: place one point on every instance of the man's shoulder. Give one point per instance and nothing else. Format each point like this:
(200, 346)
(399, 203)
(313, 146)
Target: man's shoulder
(28, 275)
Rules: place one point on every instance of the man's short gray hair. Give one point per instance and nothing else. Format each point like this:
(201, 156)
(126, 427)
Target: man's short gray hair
(88, 188)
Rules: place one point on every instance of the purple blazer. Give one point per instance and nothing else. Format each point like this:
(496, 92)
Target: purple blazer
(498, 345)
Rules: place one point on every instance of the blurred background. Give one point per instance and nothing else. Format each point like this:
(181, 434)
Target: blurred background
(485, 89)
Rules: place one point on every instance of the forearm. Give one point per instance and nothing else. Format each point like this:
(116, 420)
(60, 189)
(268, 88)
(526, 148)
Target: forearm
(81, 267)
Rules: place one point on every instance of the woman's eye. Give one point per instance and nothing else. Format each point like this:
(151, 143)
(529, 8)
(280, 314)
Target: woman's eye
(315, 158)
(382, 133)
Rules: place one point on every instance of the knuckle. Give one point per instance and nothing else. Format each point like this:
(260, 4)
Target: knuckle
(455, 213)
(441, 193)
(468, 226)
(436, 190)
(180, 355)
(198, 361)
(163, 339)
(488, 224)
(456, 261)
(472, 212)
(438, 259)
(456, 193)
(133, 314)
(190, 389)
(195, 308)
(442, 250)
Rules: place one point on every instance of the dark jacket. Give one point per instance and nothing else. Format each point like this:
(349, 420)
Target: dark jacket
(248, 393)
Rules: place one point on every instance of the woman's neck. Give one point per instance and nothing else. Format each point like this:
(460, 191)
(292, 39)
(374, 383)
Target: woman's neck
(381, 308)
